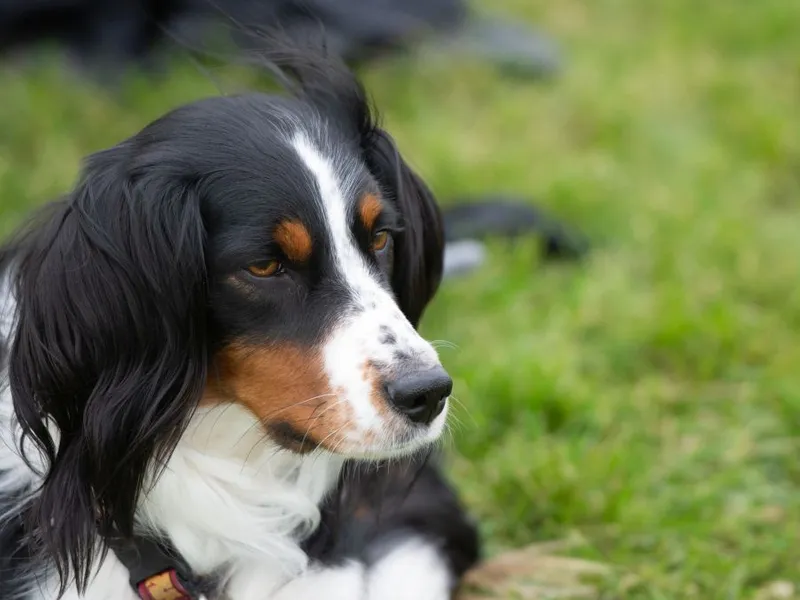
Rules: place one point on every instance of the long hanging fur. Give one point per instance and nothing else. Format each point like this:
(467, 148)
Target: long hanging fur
(109, 349)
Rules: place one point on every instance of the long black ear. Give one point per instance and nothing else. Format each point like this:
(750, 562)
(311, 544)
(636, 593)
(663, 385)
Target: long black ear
(109, 355)
(419, 248)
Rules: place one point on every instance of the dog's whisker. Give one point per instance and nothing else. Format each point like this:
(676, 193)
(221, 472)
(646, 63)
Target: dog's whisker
(444, 344)
(448, 436)
(265, 437)
(454, 424)
(464, 409)
(333, 433)
(296, 404)
(311, 425)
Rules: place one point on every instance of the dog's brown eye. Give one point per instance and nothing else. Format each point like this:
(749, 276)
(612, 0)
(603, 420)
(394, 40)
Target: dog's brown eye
(268, 268)
(379, 240)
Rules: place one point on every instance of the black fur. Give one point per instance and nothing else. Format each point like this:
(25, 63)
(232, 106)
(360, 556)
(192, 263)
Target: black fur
(122, 294)
(110, 345)
(374, 504)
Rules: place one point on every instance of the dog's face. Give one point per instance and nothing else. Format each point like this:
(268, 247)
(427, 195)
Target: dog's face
(301, 250)
(271, 252)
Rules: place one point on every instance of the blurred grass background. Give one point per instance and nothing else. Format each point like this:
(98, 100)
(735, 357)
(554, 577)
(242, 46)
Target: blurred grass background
(647, 400)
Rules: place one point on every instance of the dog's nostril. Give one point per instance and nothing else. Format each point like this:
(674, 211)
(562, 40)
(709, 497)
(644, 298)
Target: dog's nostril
(421, 396)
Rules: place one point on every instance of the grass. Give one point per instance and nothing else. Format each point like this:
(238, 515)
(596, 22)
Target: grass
(649, 399)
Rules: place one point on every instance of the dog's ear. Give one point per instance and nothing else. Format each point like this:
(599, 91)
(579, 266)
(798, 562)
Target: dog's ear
(419, 247)
(109, 351)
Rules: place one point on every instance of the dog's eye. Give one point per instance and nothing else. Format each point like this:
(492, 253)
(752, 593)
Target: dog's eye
(266, 268)
(380, 240)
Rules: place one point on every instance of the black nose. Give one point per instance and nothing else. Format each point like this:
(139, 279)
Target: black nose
(421, 396)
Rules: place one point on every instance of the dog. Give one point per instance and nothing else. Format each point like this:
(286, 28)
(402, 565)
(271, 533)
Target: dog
(212, 383)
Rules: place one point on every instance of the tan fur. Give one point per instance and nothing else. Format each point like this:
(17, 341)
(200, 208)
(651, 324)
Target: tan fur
(295, 240)
(284, 384)
(369, 209)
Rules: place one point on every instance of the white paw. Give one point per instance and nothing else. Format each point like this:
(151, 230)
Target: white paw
(414, 570)
(346, 582)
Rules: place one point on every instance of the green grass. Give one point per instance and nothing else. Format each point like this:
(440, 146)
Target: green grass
(649, 399)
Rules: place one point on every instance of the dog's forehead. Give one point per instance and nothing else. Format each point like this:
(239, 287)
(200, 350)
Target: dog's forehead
(308, 199)
(289, 161)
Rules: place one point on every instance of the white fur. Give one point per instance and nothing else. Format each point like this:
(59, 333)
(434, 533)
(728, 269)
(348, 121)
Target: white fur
(230, 498)
(253, 497)
(338, 583)
(413, 569)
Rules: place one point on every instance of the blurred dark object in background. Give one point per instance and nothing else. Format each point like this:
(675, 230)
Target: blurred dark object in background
(470, 220)
(511, 217)
(106, 34)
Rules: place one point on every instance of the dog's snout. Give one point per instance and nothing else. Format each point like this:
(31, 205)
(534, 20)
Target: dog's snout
(421, 396)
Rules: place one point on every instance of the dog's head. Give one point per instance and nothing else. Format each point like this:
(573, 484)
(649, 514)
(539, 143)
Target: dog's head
(273, 252)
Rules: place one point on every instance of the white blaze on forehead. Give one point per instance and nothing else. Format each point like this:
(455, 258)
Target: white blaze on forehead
(333, 199)
(355, 340)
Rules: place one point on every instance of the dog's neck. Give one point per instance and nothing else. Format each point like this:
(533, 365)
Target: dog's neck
(229, 495)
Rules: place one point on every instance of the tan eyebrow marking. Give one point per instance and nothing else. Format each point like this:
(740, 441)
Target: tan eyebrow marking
(369, 209)
(295, 240)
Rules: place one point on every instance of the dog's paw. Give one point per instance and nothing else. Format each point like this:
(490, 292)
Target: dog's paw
(345, 582)
(414, 569)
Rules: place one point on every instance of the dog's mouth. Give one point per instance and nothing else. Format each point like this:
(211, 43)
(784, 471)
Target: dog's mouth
(398, 434)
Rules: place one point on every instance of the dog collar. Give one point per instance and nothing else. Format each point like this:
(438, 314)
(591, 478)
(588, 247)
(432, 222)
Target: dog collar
(158, 572)
(163, 586)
